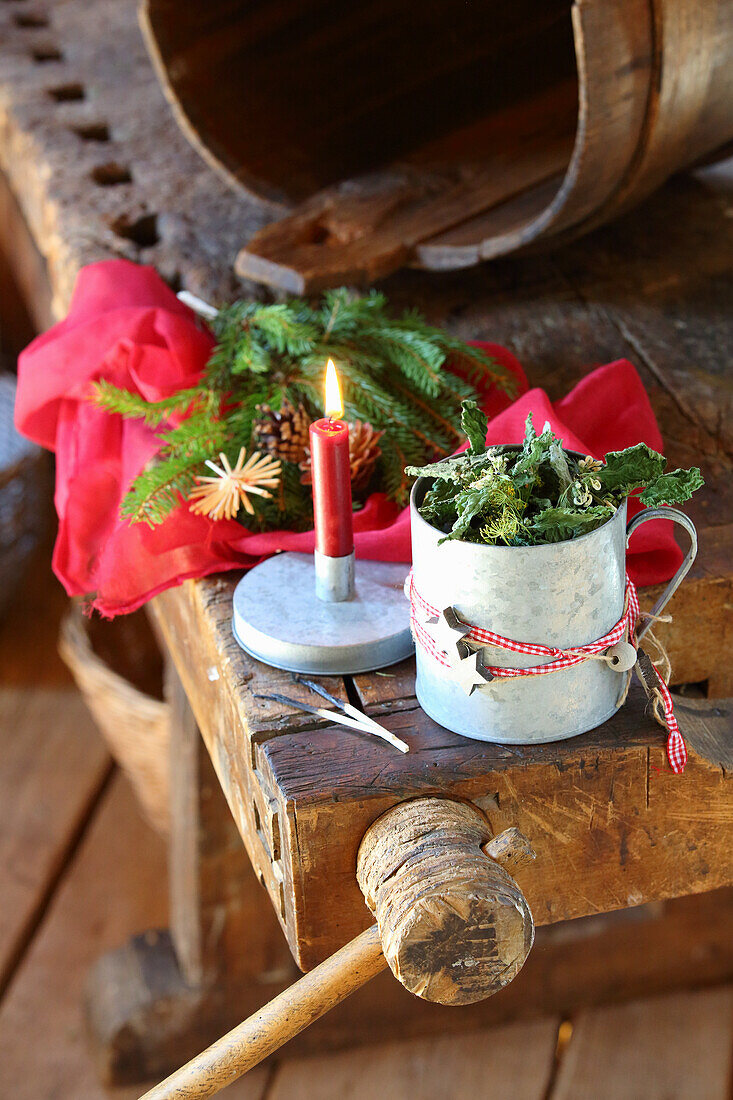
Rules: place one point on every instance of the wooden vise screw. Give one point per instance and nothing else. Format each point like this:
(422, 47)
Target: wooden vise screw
(452, 925)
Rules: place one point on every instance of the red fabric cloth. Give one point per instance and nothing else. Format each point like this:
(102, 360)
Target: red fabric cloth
(125, 325)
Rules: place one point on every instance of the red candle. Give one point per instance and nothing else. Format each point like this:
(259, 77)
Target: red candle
(331, 471)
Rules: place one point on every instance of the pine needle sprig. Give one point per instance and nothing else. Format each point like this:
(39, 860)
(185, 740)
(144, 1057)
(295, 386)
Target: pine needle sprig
(286, 331)
(133, 406)
(475, 366)
(158, 489)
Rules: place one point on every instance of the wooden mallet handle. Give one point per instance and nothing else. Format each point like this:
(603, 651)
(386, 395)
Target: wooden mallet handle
(452, 924)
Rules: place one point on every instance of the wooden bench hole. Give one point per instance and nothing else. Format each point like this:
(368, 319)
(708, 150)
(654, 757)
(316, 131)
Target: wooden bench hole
(276, 844)
(46, 53)
(142, 231)
(93, 131)
(699, 690)
(67, 93)
(30, 19)
(111, 174)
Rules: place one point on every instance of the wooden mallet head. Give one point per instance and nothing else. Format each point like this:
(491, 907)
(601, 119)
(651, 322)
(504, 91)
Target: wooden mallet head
(454, 925)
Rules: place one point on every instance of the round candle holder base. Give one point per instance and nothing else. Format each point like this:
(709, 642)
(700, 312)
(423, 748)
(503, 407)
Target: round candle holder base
(279, 619)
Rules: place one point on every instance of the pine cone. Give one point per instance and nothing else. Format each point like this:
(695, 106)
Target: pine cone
(282, 434)
(364, 450)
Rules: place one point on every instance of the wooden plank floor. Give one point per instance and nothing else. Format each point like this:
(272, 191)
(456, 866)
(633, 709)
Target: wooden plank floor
(72, 884)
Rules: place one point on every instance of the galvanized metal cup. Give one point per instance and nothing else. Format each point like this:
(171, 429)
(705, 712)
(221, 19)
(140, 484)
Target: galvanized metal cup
(563, 594)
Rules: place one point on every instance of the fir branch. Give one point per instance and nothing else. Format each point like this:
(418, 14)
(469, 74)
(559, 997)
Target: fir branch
(134, 407)
(284, 330)
(450, 429)
(477, 367)
(159, 489)
(394, 374)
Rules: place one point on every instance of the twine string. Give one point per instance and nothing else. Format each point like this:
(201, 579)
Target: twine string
(654, 675)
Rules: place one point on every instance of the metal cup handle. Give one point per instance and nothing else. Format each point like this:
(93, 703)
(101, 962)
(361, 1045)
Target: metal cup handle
(684, 521)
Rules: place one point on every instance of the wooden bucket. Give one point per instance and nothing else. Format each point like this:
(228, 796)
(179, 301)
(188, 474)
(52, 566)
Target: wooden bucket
(440, 134)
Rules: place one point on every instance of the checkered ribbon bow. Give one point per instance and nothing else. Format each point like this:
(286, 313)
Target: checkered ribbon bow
(652, 681)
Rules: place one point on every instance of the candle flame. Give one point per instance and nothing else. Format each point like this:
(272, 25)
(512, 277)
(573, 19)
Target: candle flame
(333, 405)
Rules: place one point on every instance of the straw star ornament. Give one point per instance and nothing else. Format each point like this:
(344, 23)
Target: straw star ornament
(219, 497)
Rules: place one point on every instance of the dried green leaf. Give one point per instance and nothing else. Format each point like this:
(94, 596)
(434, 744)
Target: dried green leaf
(470, 504)
(450, 469)
(439, 505)
(474, 424)
(627, 470)
(673, 488)
(559, 463)
(559, 524)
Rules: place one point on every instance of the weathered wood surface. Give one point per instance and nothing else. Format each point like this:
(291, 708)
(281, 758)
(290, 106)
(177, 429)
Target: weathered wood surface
(573, 964)
(107, 892)
(29, 656)
(654, 287)
(601, 958)
(67, 103)
(95, 160)
(357, 235)
(114, 885)
(669, 1048)
(617, 293)
(347, 97)
(616, 298)
(452, 925)
(53, 767)
(224, 933)
(510, 1063)
(612, 832)
(510, 848)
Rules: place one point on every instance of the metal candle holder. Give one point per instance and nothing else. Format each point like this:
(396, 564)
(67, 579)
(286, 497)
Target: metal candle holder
(319, 614)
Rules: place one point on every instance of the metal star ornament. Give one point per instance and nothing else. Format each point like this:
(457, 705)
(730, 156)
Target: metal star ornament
(471, 672)
(447, 630)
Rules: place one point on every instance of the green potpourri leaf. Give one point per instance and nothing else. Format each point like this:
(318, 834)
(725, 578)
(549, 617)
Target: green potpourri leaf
(474, 424)
(673, 488)
(559, 524)
(626, 470)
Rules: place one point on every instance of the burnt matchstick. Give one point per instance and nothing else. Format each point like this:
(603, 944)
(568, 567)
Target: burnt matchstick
(362, 723)
(353, 712)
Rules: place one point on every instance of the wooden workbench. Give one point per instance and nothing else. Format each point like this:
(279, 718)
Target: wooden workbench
(94, 166)
(611, 824)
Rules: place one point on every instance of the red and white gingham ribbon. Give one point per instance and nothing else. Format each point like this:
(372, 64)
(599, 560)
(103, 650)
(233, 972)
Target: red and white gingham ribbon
(420, 610)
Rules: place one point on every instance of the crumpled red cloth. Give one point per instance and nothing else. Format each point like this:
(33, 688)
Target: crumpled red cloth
(127, 326)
